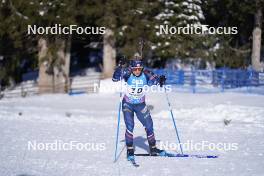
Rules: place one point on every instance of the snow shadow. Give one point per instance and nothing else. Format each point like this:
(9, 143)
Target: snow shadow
(141, 142)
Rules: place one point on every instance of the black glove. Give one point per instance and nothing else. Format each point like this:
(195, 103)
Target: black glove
(117, 74)
(162, 80)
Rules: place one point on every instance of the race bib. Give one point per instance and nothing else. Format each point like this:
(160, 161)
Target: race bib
(135, 89)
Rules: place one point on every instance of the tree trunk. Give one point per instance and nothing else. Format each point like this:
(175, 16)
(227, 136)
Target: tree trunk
(62, 70)
(54, 69)
(67, 64)
(45, 80)
(109, 53)
(256, 45)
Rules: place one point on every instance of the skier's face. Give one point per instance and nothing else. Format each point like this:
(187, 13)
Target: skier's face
(137, 70)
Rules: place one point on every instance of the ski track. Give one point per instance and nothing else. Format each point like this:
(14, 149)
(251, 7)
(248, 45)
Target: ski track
(93, 118)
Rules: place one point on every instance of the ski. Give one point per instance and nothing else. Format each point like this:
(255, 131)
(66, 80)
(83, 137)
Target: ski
(131, 159)
(178, 155)
(133, 162)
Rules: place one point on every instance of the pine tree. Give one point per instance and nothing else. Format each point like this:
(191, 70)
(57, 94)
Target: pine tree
(53, 50)
(129, 22)
(16, 49)
(181, 13)
(234, 50)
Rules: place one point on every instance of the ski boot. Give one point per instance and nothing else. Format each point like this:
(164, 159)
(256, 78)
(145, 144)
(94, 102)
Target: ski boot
(130, 154)
(154, 151)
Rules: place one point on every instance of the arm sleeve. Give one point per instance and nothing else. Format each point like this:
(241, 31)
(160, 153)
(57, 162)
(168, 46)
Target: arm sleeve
(152, 78)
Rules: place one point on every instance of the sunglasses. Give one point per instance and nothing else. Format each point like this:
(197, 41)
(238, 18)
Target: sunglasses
(137, 69)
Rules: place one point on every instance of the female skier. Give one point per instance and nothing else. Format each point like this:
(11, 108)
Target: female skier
(136, 77)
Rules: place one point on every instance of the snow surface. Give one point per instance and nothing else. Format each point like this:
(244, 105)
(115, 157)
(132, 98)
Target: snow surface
(93, 119)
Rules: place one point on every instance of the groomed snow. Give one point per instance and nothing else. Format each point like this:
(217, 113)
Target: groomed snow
(93, 118)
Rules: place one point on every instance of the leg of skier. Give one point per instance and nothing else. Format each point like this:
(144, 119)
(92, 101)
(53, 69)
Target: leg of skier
(129, 121)
(144, 117)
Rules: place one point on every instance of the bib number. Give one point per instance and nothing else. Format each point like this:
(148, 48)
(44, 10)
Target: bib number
(136, 90)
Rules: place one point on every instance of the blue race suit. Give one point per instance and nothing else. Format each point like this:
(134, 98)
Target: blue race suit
(134, 102)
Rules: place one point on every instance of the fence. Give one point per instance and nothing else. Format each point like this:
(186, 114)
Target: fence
(190, 81)
(78, 84)
(85, 84)
(214, 80)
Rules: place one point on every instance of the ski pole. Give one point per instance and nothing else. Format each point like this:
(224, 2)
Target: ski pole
(118, 118)
(173, 119)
